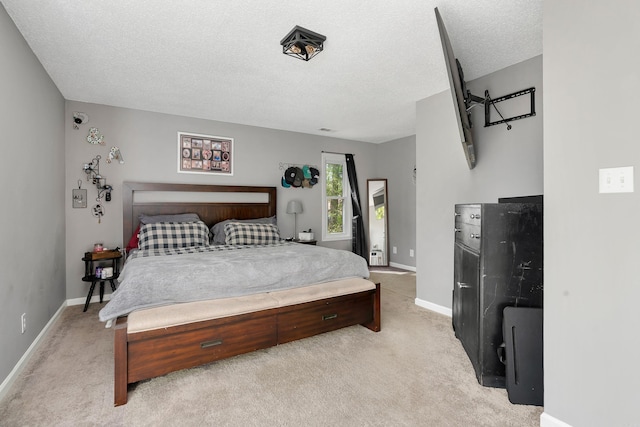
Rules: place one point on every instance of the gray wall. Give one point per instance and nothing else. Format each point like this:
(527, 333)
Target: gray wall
(32, 274)
(148, 144)
(509, 164)
(395, 161)
(591, 240)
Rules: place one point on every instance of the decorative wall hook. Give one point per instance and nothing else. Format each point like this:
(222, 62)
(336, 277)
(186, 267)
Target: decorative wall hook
(93, 174)
(92, 169)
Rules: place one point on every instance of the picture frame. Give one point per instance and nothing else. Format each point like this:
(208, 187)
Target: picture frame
(205, 154)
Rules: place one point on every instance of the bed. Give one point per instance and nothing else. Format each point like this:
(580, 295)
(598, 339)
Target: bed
(158, 338)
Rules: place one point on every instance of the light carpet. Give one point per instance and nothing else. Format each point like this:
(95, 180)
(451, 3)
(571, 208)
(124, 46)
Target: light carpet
(413, 372)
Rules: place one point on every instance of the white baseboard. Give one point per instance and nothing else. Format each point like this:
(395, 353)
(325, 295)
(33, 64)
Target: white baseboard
(547, 420)
(13, 375)
(434, 307)
(404, 267)
(81, 301)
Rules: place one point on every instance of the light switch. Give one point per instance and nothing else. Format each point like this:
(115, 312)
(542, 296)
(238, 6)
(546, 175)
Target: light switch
(616, 180)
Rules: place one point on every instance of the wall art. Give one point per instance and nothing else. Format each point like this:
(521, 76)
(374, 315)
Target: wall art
(206, 154)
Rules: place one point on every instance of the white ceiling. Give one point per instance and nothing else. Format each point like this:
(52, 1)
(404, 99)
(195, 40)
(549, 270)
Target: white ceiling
(222, 60)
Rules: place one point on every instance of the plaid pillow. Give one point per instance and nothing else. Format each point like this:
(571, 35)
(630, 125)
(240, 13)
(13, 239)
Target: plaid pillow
(239, 233)
(220, 238)
(169, 235)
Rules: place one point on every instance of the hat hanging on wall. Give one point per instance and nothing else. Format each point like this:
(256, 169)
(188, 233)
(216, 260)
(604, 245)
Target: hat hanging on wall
(293, 176)
(296, 176)
(315, 175)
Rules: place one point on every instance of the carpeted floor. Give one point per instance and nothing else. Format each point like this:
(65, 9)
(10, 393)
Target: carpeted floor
(398, 281)
(412, 373)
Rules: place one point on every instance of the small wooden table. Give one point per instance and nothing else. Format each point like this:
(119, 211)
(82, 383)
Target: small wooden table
(92, 260)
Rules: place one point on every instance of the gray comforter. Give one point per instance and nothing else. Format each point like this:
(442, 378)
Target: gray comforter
(154, 279)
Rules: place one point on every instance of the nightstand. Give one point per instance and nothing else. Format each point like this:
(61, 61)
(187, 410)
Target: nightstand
(92, 260)
(306, 242)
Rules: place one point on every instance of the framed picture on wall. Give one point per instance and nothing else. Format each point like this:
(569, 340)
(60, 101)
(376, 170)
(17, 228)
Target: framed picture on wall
(206, 154)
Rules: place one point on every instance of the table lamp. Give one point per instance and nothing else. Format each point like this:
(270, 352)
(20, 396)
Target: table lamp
(294, 207)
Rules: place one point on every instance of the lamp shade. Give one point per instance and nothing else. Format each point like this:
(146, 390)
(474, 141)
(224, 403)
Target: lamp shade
(294, 207)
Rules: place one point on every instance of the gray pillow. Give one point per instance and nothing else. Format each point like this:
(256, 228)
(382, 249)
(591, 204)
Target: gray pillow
(185, 217)
(219, 236)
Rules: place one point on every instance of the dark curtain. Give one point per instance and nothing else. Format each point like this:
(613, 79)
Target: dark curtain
(359, 239)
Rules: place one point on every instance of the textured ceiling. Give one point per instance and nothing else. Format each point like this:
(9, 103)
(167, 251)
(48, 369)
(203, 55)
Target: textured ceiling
(221, 60)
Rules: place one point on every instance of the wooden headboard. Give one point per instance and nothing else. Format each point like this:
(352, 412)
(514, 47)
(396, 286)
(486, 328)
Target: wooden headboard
(210, 212)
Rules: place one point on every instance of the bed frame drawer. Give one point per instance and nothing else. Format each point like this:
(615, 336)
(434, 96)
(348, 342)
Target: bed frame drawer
(305, 320)
(161, 355)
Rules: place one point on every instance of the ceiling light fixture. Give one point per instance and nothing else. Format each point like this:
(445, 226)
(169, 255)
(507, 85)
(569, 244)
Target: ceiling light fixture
(302, 43)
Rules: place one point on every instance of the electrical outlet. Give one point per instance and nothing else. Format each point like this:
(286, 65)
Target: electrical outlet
(395, 249)
(411, 253)
(23, 321)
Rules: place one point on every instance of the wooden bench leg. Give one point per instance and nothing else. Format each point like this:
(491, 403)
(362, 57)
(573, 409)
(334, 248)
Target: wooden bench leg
(120, 362)
(374, 325)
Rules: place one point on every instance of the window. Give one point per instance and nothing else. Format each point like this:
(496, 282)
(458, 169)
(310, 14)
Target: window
(336, 198)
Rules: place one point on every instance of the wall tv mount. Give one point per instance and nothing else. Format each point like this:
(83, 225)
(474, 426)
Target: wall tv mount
(472, 100)
(488, 102)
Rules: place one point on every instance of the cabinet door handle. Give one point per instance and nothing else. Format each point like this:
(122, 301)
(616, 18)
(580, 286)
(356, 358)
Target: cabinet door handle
(475, 216)
(457, 230)
(462, 285)
(474, 236)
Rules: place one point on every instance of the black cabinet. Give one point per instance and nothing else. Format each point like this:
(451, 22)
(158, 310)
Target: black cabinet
(497, 264)
(466, 299)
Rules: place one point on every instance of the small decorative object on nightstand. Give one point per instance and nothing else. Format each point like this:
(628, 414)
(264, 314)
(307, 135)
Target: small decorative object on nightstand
(306, 235)
(100, 267)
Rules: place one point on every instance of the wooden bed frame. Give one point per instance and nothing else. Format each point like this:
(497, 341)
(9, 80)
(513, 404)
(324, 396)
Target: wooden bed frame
(151, 353)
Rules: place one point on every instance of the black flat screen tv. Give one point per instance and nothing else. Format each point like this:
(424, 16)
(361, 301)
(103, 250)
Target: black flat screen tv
(459, 93)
